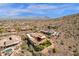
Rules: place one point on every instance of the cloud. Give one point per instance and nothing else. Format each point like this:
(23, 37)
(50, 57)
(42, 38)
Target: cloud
(3, 4)
(43, 6)
(17, 11)
(36, 9)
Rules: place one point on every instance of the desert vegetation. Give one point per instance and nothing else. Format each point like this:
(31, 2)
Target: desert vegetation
(66, 43)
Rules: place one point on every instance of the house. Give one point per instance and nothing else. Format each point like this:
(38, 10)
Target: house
(24, 28)
(10, 30)
(9, 41)
(36, 37)
(50, 32)
(38, 41)
(9, 44)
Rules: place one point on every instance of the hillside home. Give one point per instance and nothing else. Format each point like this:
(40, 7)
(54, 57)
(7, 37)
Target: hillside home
(36, 37)
(9, 43)
(10, 30)
(38, 41)
(50, 32)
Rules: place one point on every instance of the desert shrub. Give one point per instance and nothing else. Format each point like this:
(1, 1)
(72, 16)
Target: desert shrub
(76, 44)
(52, 27)
(70, 47)
(34, 53)
(17, 29)
(24, 46)
(48, 34)
(54, 50)
(35, 26)
(76, 52)
(55, 27)
(38, 48)
(24, 38)
(49, 27)
(77, 28)
(61, 43)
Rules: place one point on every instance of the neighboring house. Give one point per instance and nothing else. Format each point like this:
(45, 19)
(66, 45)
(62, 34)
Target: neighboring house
(25, 28)
(50, 32)
(10, 30)
(9, 41)
(9, 44)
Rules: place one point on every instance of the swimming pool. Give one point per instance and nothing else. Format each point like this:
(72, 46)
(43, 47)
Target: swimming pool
(7, 50)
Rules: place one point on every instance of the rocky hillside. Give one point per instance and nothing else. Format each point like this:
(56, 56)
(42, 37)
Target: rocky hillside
(68, 42)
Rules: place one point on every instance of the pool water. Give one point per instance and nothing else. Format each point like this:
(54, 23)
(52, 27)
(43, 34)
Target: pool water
(7, 51)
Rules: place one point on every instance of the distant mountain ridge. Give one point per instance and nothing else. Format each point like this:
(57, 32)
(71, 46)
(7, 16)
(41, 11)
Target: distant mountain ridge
(26, 18)
(34, 17)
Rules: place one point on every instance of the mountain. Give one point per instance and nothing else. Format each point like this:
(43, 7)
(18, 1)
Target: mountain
(26, 18)
(68, 42)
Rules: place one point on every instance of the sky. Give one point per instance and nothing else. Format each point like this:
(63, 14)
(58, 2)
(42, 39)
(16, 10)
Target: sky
(52, 10)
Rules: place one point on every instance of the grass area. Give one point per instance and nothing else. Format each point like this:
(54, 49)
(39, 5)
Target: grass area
(43, 45)
(2, 30)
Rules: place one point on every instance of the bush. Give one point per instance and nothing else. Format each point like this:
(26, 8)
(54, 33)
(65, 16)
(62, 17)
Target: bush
(18, 29)
(54, 50)
(24, 46)
(24, 38)
(52, 27)
(49, 27)
(61, 43)
(55, 27)
(70, 47)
